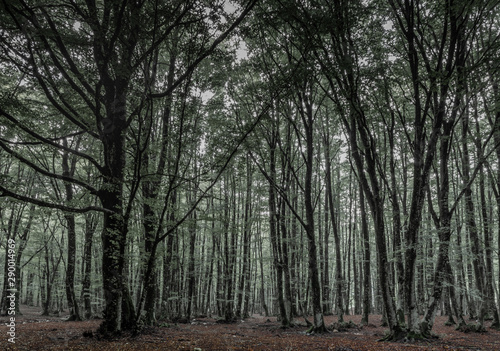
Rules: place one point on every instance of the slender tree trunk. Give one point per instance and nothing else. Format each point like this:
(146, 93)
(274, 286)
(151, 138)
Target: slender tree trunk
(495, 185)
(367, 259)
(445, 215)
(327, 307)
(229, 241)
(15, 257)
(191, 273)
(491, 307)
(396, 220)
(90, 226)
(319, 323)
(336, 237)
(169, 262)
(375, 202)
(477, 257)
(262, 283)
(68, 171)
(490, 293)
(284, 259)
(274, 233)
(247, 220)
(11, 246)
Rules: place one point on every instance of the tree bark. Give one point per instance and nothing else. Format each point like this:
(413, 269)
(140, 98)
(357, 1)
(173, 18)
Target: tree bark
(367, 259)
(273, 231)
(68, 171)
(336, 238)
(308, 118)
(243, 293)
(90, 225)
(477, 257)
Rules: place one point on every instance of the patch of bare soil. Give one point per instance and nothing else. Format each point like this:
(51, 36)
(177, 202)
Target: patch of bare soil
(36, 332)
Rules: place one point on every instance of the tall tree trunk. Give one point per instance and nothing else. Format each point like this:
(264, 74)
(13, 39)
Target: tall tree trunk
(283, 243)
(229, 247)
(274, 232)
(336, 237)
(367, 259)
(114, 237)
(371, 189)
(262, 283)
(90, 225)
(169, 262)
(68, 171)
(327, 307)
(445, 215)
(470, 215)
(191, 273)
(247, 220)
(496, 136)
(491, 308)
(150, 186)
(308, 118)
(396, 216)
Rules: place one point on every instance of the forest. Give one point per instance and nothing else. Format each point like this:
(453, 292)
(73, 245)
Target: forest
(306, 161)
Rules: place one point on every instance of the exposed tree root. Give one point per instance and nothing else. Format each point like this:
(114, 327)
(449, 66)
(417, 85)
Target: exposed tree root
(495, 325)
(287, 325)
(402, 335)
(308, 323)
(227, 321)
(322, 329)
(450, 321)
(105, 332)
(343, 326)
(395, 335)
(467, 328)
(73, 318)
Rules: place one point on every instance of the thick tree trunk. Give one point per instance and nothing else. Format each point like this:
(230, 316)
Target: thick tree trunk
(114, 234)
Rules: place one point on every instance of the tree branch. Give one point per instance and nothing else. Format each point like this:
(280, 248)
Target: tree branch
(7, 193)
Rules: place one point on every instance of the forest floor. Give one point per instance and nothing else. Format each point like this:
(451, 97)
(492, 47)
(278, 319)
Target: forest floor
(37, 332)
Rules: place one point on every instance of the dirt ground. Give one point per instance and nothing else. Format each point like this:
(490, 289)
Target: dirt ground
(36, 332)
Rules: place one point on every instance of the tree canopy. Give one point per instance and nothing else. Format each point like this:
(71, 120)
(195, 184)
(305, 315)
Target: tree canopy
(287, 157)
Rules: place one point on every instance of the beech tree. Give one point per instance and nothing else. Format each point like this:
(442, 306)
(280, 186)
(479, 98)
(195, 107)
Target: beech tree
(289, 158)
(101, 54)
